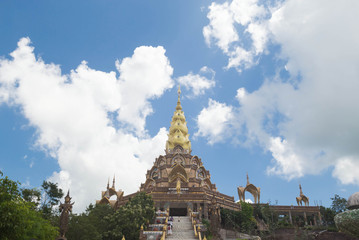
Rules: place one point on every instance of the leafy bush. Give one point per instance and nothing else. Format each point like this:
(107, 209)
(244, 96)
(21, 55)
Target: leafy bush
(242, 221)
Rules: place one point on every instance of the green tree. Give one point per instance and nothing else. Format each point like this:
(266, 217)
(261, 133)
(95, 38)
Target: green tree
(89, 225)
(31, 195)
(128, 219)
(339, 204)
(18, 219)
(51, 195)
(327, 215)
(239, 220)
(248, 222)
(265, 213)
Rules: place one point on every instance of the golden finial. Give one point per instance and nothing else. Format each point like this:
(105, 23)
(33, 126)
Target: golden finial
(179, 107)
(108, 183)
(142, 227)
(123, 237)
(204, 237)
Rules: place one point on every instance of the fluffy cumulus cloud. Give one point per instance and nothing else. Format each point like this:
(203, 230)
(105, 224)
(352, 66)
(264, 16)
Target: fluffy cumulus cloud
(77, 116)
(308, 123)
(214, 121)
(145, 75)
(238, 28)
(199, 83)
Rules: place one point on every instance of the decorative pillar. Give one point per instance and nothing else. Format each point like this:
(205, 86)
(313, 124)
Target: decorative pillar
(205, 210)
(315, 220)
(142, 236)
(305, 218)
(320, 218)
(290, 217)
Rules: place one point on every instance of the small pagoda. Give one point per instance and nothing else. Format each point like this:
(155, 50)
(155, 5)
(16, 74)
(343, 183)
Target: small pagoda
(178, 181)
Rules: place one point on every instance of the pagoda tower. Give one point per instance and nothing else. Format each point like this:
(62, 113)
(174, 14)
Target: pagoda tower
(178, 132)
(178, 181)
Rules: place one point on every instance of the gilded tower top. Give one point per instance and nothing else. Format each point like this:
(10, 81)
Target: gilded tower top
(178, 132)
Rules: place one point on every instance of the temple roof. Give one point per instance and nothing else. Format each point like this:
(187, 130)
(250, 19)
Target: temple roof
(178, 132)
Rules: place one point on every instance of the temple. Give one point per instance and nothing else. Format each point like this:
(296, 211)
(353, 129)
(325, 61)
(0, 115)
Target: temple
(177, 181)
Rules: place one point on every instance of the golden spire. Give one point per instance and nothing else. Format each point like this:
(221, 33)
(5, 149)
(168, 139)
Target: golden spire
(179, 107)
(178, 132)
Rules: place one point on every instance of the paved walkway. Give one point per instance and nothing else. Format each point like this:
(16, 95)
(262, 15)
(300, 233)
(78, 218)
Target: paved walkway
(182, 229)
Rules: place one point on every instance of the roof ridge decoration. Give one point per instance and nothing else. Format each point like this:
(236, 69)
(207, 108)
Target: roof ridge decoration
(255, 191)
(302, 198)
(178, 132)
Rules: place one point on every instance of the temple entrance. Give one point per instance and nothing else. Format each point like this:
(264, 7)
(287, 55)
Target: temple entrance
(178, 211)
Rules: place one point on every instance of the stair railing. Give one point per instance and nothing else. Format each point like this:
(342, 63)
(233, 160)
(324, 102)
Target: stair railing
(196, 227)
(164, 231)
(163, 215)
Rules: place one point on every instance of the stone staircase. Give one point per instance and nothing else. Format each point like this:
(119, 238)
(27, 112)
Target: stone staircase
(182, 229)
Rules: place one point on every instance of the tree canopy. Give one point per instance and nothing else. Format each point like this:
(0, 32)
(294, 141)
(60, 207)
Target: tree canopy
(339, 204)
(101, 222)
(19, 218)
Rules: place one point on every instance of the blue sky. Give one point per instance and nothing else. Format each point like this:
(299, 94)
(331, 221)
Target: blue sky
(268, 87)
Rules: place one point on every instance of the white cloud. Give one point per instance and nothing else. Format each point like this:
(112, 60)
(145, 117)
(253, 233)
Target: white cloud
(213, 121)
(246, 11)
(220, 29)
(287, 162)
(311, 123)
(248, 200)
(240, 57)
(72, 116)
(231, 25)
(145, 75)
(347, 170)
(198, 83)
(241, 94)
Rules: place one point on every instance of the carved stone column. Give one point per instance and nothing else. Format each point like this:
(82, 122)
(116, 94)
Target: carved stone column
(199, 210)
(305, 218)
(320, 218)
(205, 209)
